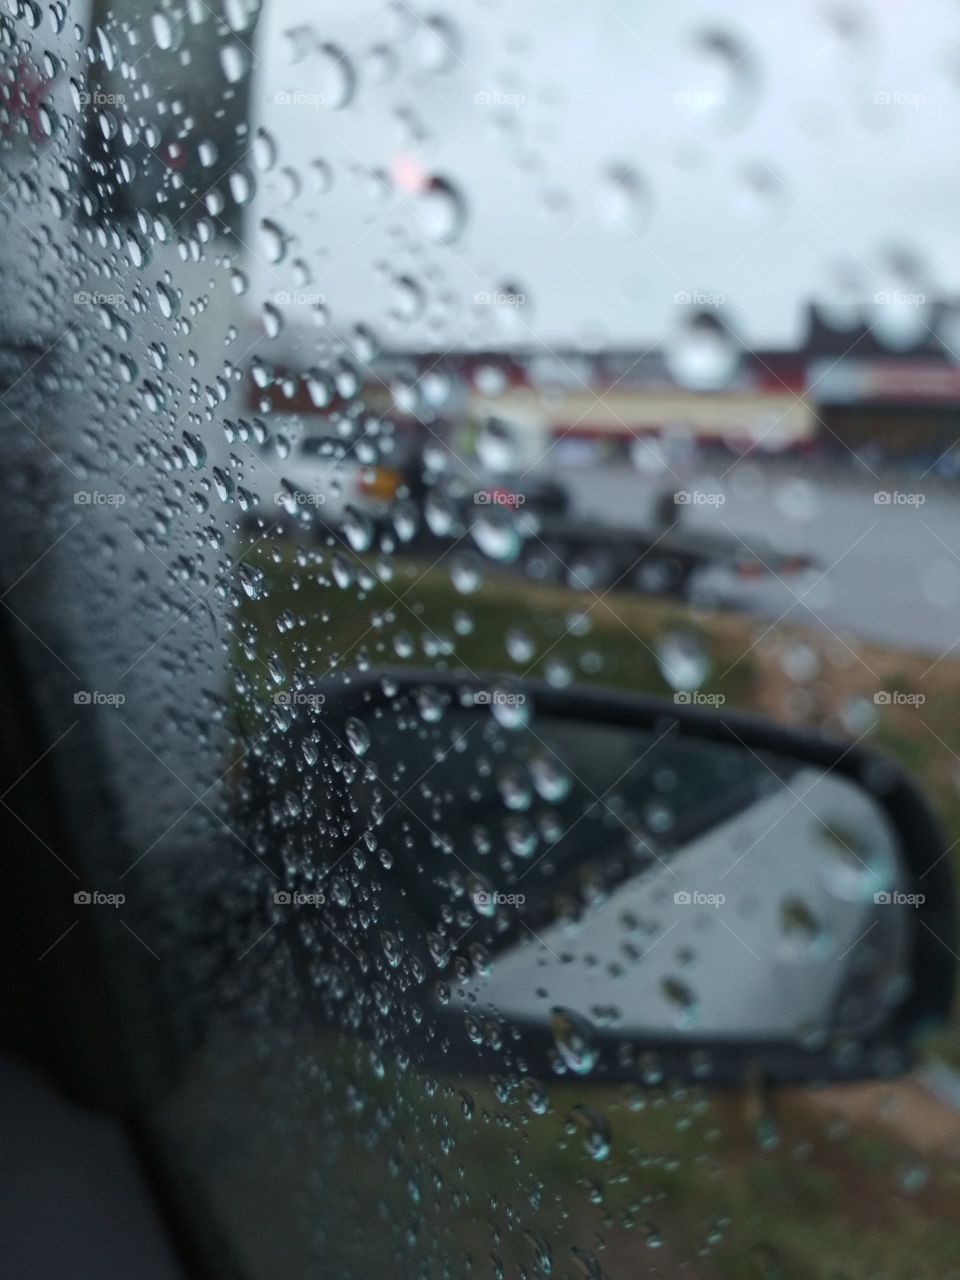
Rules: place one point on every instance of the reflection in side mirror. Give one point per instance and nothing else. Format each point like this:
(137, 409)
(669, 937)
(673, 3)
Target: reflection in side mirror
(626, 889)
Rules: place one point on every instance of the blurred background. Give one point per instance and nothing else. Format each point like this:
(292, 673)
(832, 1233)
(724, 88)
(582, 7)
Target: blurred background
(604, 346)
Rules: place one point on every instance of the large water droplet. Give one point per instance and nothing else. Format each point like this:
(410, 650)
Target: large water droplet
(358, 736)
(575, 1038)
(701, 354)
(442, 211)
(334, 80)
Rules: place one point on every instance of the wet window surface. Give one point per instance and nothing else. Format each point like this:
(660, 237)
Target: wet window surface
(420, 426)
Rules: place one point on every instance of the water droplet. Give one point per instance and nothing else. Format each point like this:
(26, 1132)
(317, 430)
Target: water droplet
(358, 529)
(441, 211)
(496, 534)
(575, 1039)
(701, 354)
(682, 659)
(234, 60)
(437, 44)
(358, 736)
(624, 204)
(392, 947)
(594, 1129)
(334, 79)
(273, 239)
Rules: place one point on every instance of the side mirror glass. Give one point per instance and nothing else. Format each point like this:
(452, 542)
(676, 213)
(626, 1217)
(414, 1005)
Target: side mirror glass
(593, 883)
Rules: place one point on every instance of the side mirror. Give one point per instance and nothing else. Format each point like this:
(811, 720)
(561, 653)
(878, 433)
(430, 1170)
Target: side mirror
(626, 889)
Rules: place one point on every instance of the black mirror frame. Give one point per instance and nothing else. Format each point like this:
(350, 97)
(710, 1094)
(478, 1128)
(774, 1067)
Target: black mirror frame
(722, 1062)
